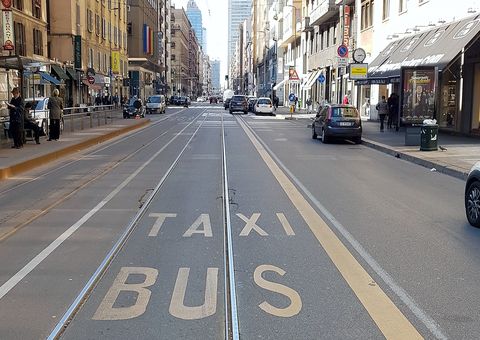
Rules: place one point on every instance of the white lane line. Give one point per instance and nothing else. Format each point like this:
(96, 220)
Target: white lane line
(428, 321)
(15, 279)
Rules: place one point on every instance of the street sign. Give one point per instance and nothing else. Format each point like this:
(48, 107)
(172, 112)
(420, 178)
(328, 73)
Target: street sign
(342, 62)
(358, 71)
(291, 97)
(342, 51)
(91, 80)
(321, 78)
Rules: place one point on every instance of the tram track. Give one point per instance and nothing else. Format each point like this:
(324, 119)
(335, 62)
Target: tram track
(104, 265)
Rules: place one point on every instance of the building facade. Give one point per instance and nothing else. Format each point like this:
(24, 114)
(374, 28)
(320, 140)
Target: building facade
(96, 36)
(195, 16)
(216, 86)
(238, 11)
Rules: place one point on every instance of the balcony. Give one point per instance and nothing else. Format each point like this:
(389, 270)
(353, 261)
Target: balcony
(322, 12)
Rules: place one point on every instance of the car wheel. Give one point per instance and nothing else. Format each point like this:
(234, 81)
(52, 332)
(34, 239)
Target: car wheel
(357, 140)
(314, 134)
(324, 137)
(245, 112)
(472, 204)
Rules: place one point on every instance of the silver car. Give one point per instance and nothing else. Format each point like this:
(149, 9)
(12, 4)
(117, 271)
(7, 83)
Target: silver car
(472, 196)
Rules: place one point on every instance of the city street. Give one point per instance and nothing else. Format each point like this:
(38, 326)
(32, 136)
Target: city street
(206, 225)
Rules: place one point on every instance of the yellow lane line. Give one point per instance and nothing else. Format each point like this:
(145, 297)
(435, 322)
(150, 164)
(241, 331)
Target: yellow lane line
(389, 319)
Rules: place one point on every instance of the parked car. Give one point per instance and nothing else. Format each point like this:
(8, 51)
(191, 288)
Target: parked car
(334, 121)
(133, 108)
(472, 196)
(251, 104)
(238, 103)
(183, 101)
(264, 105)
(213, 100)
(155, 104)
(174, 100)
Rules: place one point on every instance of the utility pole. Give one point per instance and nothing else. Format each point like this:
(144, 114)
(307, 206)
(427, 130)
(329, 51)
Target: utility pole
(341, 69)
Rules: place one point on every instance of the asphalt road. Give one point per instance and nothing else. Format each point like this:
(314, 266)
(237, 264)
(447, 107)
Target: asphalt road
(333, 241)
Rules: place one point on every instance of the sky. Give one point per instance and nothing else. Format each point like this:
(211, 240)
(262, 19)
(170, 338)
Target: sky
(215, 20)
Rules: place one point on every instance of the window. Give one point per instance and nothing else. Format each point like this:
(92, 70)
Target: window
(90, 20)
(402, 6)
(97, 24)
(367, 14)
(37, 42)
(90, 57)
(20, 43)
(104, 28)
(99, 61)
(172, 44)
(18, 4)
(386, 9)
(37, 8)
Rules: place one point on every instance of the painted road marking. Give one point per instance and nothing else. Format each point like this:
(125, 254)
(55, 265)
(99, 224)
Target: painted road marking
(285, 224)
(203, 219)
(389, 319)
(158, 222)
(106, 311)
(209, 307)
(251, 224)
(295, 301)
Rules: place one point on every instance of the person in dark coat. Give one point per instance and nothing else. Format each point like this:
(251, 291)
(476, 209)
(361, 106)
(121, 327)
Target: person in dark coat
(16, 110)
(29, 123)
(55, 105)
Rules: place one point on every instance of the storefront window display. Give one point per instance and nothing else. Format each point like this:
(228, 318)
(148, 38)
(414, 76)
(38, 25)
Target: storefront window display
(447, 113)
(418, 95)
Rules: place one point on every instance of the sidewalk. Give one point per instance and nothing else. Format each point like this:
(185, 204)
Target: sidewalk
(456, 160)
(16, 161)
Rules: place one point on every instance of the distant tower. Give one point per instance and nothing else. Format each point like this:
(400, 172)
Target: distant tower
(238, 11)
(195, 16)
(216, 75)
(204, 40)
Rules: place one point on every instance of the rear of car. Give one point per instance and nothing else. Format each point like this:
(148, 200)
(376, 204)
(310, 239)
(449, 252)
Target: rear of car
(264, 105)
(238, 103)
(472, 196)
(155, 104)
(338, 121)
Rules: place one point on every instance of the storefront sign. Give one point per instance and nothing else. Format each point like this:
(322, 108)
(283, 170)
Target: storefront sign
(7, 4)
(115, 62)
(7, 30)
(77, 51)
(346, 25)
(358, 71)
(418, 94)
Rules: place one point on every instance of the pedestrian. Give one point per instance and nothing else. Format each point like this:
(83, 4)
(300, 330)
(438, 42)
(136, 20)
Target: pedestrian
(346, 98)
(309, 105)
(16, 108)
(55, 106)
(31, 124)
(296, 103)
(275, 102)
(382, 108)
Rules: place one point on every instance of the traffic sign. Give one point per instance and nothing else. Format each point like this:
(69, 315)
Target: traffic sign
(342, 51)
(321, 78)
(342, 62)
(358, 71)
(91, 80)
(291, 97)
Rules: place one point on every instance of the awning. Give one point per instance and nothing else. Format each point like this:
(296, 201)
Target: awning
(92, 86)
(280, 84)
(71, 72)
(49, 78)
(437, 47)
(312, 78)
(59, 72)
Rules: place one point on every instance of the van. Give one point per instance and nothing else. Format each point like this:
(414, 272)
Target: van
(155, 104)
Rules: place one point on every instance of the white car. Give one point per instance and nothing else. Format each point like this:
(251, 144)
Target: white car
(264, 105)
(39, 112)
(156, 104)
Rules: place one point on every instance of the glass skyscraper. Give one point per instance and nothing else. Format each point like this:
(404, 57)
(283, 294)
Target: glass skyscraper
(195, 16)
(238, 11)
(216, 75)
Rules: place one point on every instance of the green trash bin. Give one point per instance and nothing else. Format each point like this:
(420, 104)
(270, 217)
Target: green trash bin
(429, 138)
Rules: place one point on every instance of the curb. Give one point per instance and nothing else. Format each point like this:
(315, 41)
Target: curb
(57, 154)
(416, 160)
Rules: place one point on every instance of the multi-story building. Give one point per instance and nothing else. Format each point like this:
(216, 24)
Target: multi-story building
(194, 14)
(185, 55)
(216, 86)
(238, 11)
(427, 54)
(88, 36)
(25, 61)
(168, 47)
(205, 74)
(144, 46)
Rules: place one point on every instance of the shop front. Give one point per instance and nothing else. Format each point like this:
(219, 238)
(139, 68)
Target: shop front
(435, 73)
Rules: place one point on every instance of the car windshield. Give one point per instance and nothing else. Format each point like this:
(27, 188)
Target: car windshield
(238, 98)
(346, 112)
(155, 99)
(132, 101)
(36, 105)
(264, 101)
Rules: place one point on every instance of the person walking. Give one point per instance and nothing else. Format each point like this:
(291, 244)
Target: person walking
(346, 98)
(55, 105)
(382, 108)
(29, 123)
(16, 108)
(309, 105)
